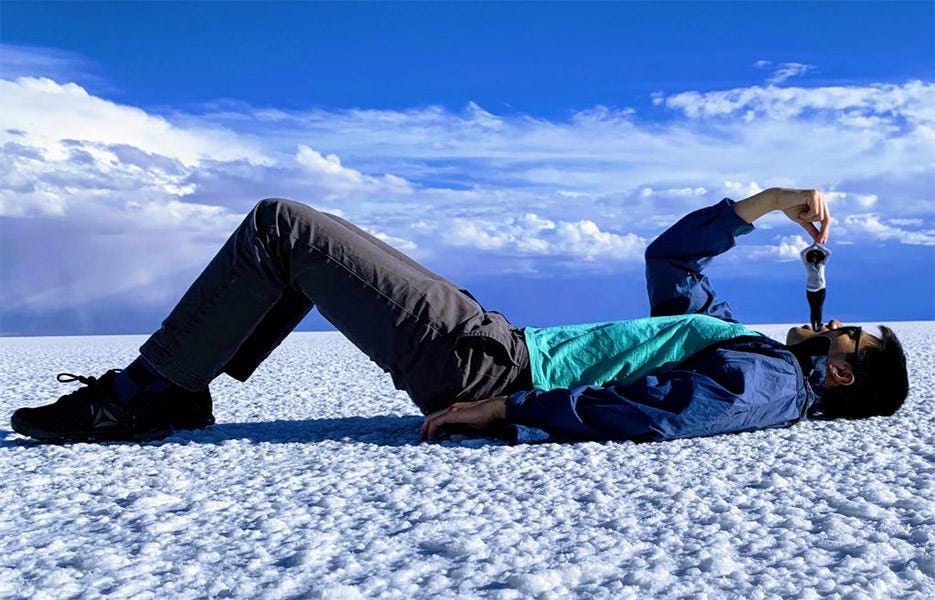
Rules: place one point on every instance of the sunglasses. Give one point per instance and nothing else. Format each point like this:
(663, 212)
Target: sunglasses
(853, 331)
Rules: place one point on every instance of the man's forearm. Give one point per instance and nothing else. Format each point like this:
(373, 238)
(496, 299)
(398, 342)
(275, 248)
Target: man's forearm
(752, 208)
(805, 207)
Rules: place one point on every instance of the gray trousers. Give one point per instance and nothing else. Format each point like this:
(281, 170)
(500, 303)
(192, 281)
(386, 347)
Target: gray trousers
(432, 337)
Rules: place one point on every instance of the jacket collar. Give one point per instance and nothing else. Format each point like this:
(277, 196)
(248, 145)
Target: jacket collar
(812, 355)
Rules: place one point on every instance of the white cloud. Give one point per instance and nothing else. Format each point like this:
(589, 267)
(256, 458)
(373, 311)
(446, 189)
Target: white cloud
(913, 101)
(174, 214)
(791, 246)
(786, 248)
(340, 181)
(399, 243)
(844, 199)
(907, 222)
(328, 165)
(585, 239)
(52, 63)
(35, 181)
(531, 235)
(534, 222)
(739, 189)
(871, 225)
(579, 193)
(49, 112)
(470, 233)
(817, 137)
(685, 192)
(783, 71)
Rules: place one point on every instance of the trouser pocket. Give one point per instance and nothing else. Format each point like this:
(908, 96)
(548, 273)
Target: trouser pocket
(486, 358)
(489, 354)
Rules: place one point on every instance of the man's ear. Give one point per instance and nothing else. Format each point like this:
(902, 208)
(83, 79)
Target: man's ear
(840, 371)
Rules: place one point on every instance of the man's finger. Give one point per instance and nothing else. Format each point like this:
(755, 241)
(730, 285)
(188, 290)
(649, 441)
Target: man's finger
(808, 213)
(825, 226)
(434, 420)
(812, 232)
(426, 428)
(434, 425)
(426, 424)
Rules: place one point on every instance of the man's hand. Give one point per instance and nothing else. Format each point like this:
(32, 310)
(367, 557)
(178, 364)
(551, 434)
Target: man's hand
(478, 415)
(805, 207)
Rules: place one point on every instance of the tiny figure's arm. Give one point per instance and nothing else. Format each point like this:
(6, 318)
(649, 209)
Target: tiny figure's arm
(815, 254)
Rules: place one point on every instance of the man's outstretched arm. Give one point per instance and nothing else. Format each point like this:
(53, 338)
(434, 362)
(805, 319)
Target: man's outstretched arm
(675, 260)
(805, 207)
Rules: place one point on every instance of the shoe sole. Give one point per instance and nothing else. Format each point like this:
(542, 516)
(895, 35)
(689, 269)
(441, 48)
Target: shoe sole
(103, 436)
(194, 425)
(87, 436)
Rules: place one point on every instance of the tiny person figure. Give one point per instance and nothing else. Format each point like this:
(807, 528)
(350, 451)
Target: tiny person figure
(815, 258)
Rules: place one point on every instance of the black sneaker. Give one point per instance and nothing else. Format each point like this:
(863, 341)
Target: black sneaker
(190, 410)
(92, 414)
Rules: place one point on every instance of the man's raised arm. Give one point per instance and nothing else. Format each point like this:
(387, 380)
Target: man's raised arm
(805, 207)
(676, 403)
(675, 260)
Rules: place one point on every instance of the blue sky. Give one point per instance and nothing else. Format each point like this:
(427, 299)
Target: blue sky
(527, 151)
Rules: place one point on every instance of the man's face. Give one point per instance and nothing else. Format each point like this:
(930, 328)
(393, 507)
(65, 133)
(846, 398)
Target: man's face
(842, 343)
(844, 340)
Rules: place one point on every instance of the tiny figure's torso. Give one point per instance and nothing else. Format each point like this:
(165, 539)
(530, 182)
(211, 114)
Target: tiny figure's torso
(815, 257)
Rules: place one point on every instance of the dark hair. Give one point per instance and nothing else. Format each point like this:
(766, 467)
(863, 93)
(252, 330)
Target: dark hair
(881, 383)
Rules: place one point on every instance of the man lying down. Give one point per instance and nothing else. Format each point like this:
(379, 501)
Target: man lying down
(688, 370)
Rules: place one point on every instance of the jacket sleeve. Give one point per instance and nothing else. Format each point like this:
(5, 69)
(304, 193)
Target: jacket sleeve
(675, 404)
(675, 259)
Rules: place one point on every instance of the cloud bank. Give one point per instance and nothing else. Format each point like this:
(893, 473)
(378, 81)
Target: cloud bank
(137, 200)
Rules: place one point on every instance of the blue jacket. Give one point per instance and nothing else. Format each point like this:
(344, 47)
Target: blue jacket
(742, 384)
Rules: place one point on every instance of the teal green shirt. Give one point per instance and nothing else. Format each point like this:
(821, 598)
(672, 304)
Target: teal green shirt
(620, 352)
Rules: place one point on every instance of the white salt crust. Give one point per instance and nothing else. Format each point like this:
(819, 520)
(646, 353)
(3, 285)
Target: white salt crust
(314, 485)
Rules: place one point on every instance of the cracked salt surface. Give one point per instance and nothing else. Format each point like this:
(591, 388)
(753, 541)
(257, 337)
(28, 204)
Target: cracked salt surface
(314, 484)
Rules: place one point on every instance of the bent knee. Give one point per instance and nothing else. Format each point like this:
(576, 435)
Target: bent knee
(277, 205)
(277, 211)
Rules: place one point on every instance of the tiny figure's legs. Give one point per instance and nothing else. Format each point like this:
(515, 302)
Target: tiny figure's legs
(816, 299)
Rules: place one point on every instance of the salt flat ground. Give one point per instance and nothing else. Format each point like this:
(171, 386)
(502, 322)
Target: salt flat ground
(314, 484)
